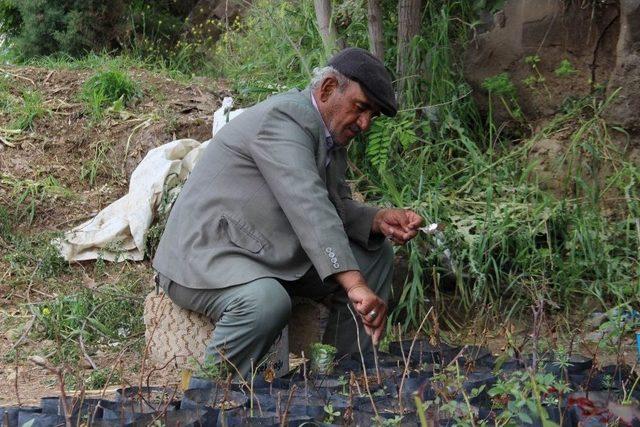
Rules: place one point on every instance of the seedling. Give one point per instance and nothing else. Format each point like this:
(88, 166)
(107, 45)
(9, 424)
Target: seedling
(565, 69)
(331, 414)
(322, 358)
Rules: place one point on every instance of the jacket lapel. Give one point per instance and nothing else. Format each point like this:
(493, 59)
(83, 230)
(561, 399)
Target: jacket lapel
(321, 153)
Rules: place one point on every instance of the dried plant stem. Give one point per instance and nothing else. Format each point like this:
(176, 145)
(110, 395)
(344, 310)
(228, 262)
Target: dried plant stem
(283, 419)
(406, 365)
(375, 361)
(364, 367)
(59, 373)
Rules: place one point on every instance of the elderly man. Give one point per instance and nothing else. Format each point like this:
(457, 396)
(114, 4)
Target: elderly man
(267, 214)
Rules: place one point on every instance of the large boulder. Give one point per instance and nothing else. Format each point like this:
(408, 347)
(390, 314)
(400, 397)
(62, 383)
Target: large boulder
(625, 77)
(531, 39)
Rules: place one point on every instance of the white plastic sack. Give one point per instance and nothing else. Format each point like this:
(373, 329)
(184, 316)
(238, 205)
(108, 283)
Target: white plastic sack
(117, 232)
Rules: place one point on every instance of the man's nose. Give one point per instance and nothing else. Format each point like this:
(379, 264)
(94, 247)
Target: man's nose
(364, 121)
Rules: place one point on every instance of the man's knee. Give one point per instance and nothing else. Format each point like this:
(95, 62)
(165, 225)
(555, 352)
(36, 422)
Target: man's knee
(268, 306)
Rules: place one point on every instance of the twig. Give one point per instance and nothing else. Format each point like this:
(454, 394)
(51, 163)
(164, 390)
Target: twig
(304, 374)
(27, 329)
(364, 367)
(84, 352)
(59, 373)
(17, 76)
(375, 362)
(406, 366)
(15, 380)
(283, 419)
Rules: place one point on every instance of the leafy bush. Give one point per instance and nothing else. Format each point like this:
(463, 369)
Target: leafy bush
(10, 19)
(74, 27)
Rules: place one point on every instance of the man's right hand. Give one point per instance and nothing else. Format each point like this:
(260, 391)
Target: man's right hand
(371, 308)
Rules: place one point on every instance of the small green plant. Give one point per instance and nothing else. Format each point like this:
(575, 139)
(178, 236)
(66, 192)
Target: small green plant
(524, 394)
(535, 79)
(106, 88)
(28, 194)
(502, 87)
(97, 163)
(330, 413)
(108, 316)
(211, 369)
(101, 377)
(31, 109)
(565, 69)
(322, 356)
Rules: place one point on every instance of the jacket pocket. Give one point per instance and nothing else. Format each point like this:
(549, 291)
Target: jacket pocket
(241, 235)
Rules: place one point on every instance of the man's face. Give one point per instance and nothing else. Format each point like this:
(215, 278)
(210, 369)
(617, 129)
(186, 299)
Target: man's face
(346, 112)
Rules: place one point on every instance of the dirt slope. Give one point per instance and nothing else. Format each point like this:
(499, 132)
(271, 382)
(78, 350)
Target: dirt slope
(60, 151)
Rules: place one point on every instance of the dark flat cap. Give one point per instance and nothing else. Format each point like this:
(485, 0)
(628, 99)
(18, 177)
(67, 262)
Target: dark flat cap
(361, 66)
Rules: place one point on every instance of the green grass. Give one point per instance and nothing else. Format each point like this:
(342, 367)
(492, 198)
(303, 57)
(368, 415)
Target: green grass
(512, 242)
(30, 109)
(97, 164)
(28, 194)
(103, 316)
(110, 88)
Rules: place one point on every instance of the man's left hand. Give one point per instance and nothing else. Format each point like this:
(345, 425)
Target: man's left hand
(399, 225)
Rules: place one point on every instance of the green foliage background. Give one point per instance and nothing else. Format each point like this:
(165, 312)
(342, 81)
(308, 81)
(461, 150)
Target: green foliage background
(508, 241)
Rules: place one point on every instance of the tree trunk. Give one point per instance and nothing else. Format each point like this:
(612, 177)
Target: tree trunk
(376, 41)
(409, 17)
(325, 26)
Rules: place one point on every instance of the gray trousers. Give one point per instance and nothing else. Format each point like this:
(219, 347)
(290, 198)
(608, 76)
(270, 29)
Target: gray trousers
(249, 317)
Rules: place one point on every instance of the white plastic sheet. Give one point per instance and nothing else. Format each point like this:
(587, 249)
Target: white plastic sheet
(117, 233)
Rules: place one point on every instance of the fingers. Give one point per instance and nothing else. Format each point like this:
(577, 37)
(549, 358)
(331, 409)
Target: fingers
(375, 333)
(374, 316)
(400, 225)
(415, 220)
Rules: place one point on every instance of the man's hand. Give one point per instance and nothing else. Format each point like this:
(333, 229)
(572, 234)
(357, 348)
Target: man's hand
(371, 308)
(399, 225)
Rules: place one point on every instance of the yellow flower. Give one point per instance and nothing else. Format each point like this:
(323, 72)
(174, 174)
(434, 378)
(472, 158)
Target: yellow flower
(46, 312)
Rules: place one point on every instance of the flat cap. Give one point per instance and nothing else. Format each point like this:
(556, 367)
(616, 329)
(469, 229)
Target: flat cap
(364, 68)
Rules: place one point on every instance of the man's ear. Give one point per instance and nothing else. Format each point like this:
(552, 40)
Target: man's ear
(327, 87)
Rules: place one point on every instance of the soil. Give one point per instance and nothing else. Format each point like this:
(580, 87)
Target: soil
(58, 145)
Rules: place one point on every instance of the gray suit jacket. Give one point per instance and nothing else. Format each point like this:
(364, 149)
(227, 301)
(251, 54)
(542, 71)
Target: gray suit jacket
(261, 203)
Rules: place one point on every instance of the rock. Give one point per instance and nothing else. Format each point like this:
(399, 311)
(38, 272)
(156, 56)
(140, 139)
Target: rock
(553, 30)
(625, 77)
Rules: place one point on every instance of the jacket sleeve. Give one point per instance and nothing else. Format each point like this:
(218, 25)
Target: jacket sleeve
(358, 219)
(284, 152)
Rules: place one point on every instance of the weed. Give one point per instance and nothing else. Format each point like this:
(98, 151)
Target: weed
(330, 413)
(99, 378)
(29, 194)
(211, 369)
(97, 163)
(34, 257)
(565, 69)
(6, 225)
(32, 108)
(501, 86)
(106, 88)
(108, 316)
(535, 79)
(524, 394)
